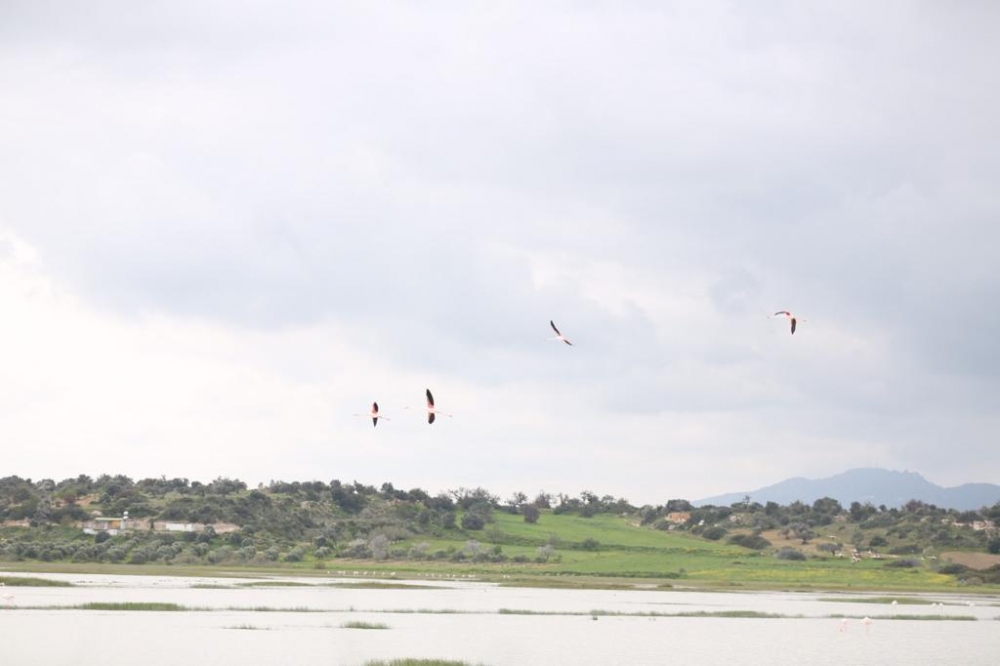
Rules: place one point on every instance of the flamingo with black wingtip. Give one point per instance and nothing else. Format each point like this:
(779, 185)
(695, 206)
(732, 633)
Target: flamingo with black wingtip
(374, 414)
(559, 336)
(431, 409)
(792, 318)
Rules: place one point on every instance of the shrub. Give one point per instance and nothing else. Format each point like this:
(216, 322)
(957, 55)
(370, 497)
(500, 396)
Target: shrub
(754, 541)
(142, 555)
(357, 548)
(904, 550)
(991, 575)
(472, 521)
(295, 554)
(544, 553)
(787, 553)
(116, 554)
(482, 509)
(878, 520)
(84, 555)
(220, 554)
(714, 533)
(903, 563)
(379, 546)
(473, 547)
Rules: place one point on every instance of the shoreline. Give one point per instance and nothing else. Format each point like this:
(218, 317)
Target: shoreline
(367, 576)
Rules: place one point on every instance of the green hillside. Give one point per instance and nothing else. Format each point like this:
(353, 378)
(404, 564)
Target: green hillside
(317, 528)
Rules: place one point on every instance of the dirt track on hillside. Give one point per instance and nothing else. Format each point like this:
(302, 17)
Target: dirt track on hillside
(972, 560)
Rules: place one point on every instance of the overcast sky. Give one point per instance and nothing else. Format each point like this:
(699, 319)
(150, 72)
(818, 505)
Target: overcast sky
(226, 227)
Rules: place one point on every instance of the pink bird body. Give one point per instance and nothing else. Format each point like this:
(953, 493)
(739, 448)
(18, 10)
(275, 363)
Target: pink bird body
(559, 336)
(791, 318)
(374, 414)
(431, 409)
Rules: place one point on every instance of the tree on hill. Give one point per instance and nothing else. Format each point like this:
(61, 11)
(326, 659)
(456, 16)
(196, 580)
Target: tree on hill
(530, 513)
(677, 505)
(859, 512)
(515, 501)
(465, 498)
(827, 506)
(472, 521)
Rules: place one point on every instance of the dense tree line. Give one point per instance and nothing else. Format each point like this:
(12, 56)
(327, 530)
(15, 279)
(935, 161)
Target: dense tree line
(293, 521)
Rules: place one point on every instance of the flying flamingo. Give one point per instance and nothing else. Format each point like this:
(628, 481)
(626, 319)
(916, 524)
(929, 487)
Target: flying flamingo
(792, 318)
(374, 415)
(559, 336)
(431, 410)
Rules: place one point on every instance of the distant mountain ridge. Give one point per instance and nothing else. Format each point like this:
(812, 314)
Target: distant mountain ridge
(869, 485)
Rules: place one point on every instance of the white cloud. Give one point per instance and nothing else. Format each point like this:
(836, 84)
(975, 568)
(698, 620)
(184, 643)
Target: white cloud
(230, 227)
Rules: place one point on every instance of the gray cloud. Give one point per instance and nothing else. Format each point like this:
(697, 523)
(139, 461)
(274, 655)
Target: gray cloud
(440, 182)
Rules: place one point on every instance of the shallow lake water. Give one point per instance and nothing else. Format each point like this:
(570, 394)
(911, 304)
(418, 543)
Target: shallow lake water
(480, 623)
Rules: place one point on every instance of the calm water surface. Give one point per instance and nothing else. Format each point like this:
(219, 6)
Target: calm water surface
(470, 626)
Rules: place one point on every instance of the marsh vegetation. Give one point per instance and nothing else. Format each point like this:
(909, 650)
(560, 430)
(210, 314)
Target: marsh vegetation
(471, 621)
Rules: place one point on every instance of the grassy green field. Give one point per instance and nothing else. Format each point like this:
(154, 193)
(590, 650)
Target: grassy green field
(625, 550)
(601, 551)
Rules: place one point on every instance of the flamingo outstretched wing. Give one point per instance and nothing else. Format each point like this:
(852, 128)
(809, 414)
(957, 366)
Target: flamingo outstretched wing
(559, 336)
(792, 319)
